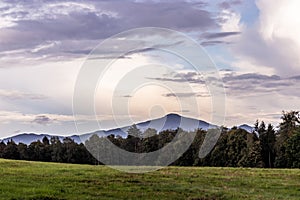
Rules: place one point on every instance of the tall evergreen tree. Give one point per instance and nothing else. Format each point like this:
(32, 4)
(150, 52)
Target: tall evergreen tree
(290, 121)
(267, 141)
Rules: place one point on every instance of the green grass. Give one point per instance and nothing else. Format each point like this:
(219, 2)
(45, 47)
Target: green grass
(37, 180)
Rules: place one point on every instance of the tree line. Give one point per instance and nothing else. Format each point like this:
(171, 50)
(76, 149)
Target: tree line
(264, 147)
(53, 150)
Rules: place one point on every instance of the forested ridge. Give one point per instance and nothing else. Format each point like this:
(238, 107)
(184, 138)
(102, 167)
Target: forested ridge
(264, 147)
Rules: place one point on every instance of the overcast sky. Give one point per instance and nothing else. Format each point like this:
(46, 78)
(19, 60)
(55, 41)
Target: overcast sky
(43, 45)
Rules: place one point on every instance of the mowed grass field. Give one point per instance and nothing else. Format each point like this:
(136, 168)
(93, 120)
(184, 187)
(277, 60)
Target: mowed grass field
(38, 180)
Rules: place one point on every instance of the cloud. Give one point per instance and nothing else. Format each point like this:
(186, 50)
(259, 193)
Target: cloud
(63, 28)
(203, 94)
(249, 76)
(181, 94)
(127, 96)
(215, 38)
(296, 77)
(273, 41)
(155, 47)
(14, 116)
(237, 84)
(229, 21)
(191, 77)
(176, 15)
(187, 94)
(213, 42)
(253, 84)
(181, 111)
(43, 120)
(17, 95)
(229, 4)
(219, 34)
(48, 118)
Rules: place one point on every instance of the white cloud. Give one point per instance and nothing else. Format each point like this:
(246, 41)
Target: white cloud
(14, 116)
(279, 19)
(280, 28)
(15, 95)
(273, 41)
(231, 21)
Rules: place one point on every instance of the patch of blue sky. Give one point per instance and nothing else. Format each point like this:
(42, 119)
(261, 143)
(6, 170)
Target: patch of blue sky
(249, 13)
(221, 56)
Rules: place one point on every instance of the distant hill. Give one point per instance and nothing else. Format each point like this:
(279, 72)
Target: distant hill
(28, 138)
(246, 127)
(171, 121)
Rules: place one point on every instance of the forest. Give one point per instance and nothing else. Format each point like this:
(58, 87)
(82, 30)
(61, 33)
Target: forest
(266, 147)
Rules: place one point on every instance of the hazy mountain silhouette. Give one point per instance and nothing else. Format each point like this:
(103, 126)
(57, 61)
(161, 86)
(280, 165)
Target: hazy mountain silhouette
(171, 121)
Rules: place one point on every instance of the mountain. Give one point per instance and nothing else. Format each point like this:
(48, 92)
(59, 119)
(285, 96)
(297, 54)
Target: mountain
(246, 127)
(27, 138)
(171, 121)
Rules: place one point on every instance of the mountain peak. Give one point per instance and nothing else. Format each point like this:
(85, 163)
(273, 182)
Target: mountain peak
(173, 115)
(246, 127)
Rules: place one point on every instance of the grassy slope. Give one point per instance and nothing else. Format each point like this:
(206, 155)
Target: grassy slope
(36, 180)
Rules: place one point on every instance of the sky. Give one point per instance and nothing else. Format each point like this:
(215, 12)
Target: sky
(255, 46)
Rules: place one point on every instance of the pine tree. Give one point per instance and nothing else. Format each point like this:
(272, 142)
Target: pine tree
(267, 141)
(290, 121)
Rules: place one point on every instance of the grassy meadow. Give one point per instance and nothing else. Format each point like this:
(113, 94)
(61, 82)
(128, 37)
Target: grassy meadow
(38, 180)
